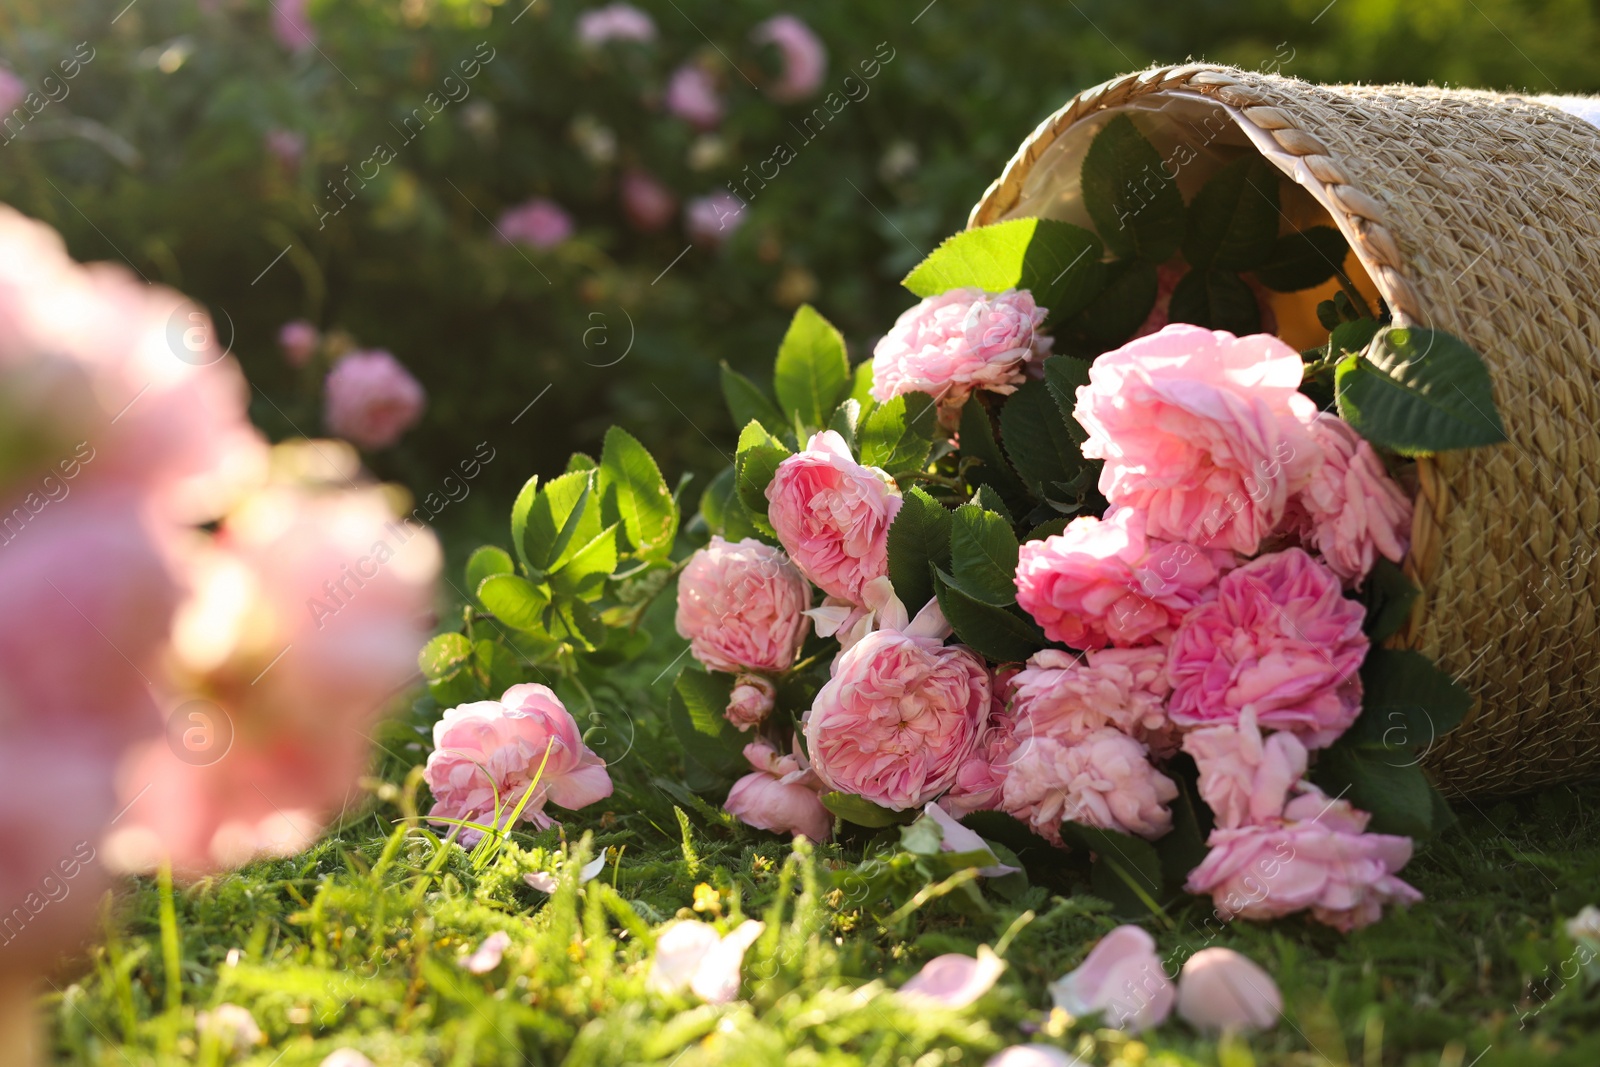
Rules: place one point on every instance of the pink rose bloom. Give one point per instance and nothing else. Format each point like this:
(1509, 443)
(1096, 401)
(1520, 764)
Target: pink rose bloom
(12, 91)
(1280, 641)
(1102, 581)
(1318, 858)
(833, 515)
(958, 341)
(648, 204)
(1222, 990)
(739, 606)
(1105, 780)
(615, 22)
(1244, 778)
(712, 219)
(692, 96)
(954, 981)
(898, 718)
(291, 25)
(1202, 431)
(487, 753)
(1141, 719)
(288, 147)
(539, 223)
(981, 775)
(1122, 979)
(1059, 696)
(1354, 509)
(299, 340)
(805, 60)
(781, 796)
(751, 700)
(370, 399)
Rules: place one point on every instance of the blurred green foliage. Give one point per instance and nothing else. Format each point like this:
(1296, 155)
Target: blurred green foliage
(157, 156)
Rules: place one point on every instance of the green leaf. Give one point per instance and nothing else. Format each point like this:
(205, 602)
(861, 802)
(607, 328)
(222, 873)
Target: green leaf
(747, 400)
(1303, 260)
(486, 561)
(862, 812)
(1182, 848)
(1406, 701)
(861, 383)
(560, 514)
(1137, 209)
(581, 624)
(977, 443)
(633, 492)
(919, 540)
(1388, 597)
(1057, 262)
(497, 664)
(989, 500)
(843, 421)
(1353, 336)
(1417, 391)
(444, 655)
(1048, 529)
(519, 516)
(584, 574)
(813, 372)
(1233, 219)
(994, 633)
(722, 510)
(897, 435)
(696, 714)
(1127, 869)
(756, 463)
(515, 601)
(580, 461)
(1124, 304)
(1216, 299)
(1039, 441)
(1376, 780)
(1064, 375)
(983, 556)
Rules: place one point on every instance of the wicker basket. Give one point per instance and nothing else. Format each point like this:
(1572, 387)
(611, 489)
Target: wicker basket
(1478, 213)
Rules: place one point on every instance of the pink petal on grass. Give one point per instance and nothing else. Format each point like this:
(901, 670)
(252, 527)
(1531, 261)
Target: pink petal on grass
(545, 882)
(954, 980)
(488, 955)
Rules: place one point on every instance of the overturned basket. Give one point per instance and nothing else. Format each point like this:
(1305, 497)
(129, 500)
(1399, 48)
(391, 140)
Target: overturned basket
(1478, 213)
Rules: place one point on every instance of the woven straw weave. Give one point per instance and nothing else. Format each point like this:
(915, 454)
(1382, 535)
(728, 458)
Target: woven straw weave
(1478, 213)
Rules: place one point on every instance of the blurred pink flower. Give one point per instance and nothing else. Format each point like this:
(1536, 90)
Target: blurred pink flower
(899, 717)
(833, 515)
(692, 96)
(12, 91)
(1202, 431)
(1221, 990)
(961, 340)
(805, 60)
(288, 147)
(751, 700)
(299, 340)
(1243, 778)
(740, 605)
(1122, 979)
(1032, 1055)
(614, 22)
(711, 220)
(487, 754)
(782, 795)
(954, 981)
(1105, 780)
(1280, 641)
(1354, 509)
(647, 203)
(345, 1057)
(1102, 581)
(691, 955)
(370, 399)
(231, 1026)
(291, 25)
(1318, 857)
(538, 222)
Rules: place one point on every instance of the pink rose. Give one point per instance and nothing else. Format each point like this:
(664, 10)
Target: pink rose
(1243, 778)
(615, 22)
(288, 147)
(1280, 641)
(647, 203)
(370, 399)
(1222, 990)
(12, 91)
(833, 515)
(539, 223)
(1354, 509)
(781, 796)
(1122, 979)
(1141, 719)
(299, 340)
(740, 605)
(1319, 857)
(958, 341)
(751, 700)
(291, 25)
(692, 96)
(898, 718)
(486, 754)
(1105, 780)
(1059, 696)
(1202, 431)
(981, 775)
(712, 219)
(805, 60)
(1101, 581)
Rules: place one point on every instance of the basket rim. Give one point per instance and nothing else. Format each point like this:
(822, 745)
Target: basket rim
(1360, 216)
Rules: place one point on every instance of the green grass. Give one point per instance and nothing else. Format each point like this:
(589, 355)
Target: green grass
(357, 943)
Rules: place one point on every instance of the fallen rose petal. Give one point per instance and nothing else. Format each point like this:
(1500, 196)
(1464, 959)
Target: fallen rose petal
(545, 882)
(1032, 1056)
(716, 980)
(1121, 978)
(233, 1027)
(954, 980)
(1222, 990)
(488, 955)
(958, 838)
(691, 955)
(346, 1057)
